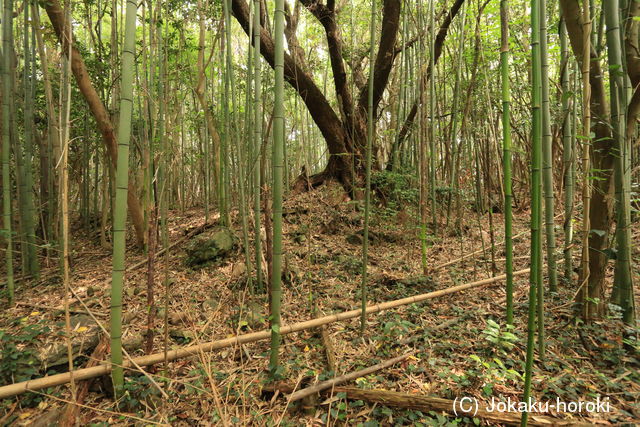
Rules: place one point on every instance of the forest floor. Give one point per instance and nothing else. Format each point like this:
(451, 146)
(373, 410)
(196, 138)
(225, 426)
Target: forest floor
(468, 353)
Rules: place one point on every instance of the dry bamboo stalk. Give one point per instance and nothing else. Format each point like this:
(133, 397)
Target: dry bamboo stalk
(328, 349)
(105, 368)
(324, 385)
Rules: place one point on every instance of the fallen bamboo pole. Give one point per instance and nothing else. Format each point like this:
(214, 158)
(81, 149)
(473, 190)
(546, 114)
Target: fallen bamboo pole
(452, 407)
(324, 385)
(151, 359)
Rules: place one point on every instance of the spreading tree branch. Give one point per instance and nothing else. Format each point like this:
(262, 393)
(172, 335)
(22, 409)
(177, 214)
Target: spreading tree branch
(323, 115)
(385, 56)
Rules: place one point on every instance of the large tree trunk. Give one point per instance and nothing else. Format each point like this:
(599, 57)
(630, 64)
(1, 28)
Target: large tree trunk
(344, 132)
(602, 155)
(57, 17)
(632, 52)
(325, 118)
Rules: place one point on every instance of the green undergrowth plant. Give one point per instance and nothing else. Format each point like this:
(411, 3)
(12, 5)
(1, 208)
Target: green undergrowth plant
(502, 340)
(19, 360)
(394, 327)
(495, 365)
(140, 394)
(350, 265)
(394, 189)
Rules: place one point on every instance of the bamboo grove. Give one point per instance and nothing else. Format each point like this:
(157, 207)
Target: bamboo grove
(117, 115)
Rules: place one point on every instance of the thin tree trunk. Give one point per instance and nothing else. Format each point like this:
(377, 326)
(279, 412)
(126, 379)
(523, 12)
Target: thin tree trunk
(99, 113)
(622, 277)
(598, 209)
(202, 99)
(367, 194)
(65, 130)
(7, 25)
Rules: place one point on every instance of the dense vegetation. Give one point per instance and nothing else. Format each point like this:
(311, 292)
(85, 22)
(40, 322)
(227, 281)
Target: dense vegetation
(177, 174)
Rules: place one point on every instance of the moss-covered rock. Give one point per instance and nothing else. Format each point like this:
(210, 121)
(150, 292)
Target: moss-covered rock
(210, 247)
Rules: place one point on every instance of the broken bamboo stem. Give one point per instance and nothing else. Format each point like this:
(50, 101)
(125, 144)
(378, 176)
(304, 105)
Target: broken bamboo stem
(328, 349)
(70, 414)
(426, 403)
(105, 368)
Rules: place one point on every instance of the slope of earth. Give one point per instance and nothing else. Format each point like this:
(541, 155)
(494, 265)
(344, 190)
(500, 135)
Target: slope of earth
(462, 347)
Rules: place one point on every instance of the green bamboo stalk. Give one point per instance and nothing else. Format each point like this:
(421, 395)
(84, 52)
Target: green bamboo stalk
(7, 231)
(547, 164)
(536, 205)
(367, 191)
(583, 296)
(422, 156)
(30, 215)
(547, 178)
(453, 173)
(506, 147)
(239, 166)
(394, 153)
(617, 67)
(122, 182)
(21, 187)
(568, 155)
(432, 113)
(257, 138)
(277, 164)
(229, 92)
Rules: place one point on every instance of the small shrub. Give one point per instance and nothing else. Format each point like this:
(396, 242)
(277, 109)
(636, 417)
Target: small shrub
(394, 189)
(20, 362)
